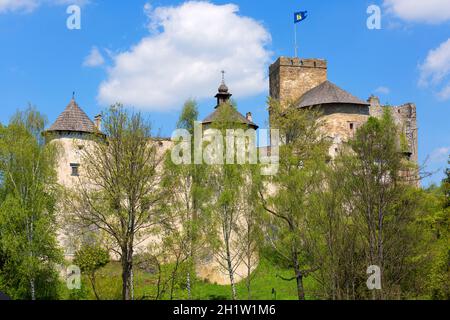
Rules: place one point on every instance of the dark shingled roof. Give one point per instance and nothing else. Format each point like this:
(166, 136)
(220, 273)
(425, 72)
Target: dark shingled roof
(327, 93)
(235, 117)
(73, 119)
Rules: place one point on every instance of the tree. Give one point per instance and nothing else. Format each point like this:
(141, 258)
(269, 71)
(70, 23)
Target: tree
(446, 186)
(287, 196)
(439, 223)
(338, 251)
(381, 202)
(229, 195)
(250, 232)
(90, 259)
(28, 193)
(119, 190)
(184, 228)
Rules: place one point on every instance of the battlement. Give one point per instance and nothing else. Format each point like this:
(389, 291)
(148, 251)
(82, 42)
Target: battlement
(298, 62)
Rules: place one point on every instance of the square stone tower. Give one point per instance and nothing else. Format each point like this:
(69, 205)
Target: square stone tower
(290, 78)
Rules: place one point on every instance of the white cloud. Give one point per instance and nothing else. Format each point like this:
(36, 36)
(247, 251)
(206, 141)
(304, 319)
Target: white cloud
(18, 5)
(187, 47)
(437, 64)
(94, 59)
(26, 6)
(428, 11)
(440, 154)
(444, 94)
(435, 70)
(383, 90)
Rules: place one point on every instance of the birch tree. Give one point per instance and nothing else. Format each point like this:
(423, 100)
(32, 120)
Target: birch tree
(185, 227)
(28, 193)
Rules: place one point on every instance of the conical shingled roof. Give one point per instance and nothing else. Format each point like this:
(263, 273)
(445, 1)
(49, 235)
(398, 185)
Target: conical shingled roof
(327, 93)
(73, 119)
(235, 116)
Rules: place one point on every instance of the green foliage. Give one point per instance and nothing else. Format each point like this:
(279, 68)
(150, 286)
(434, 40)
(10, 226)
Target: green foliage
(28, 195)
(265, 278)
(446, 186)
(91, 258)
(124, 198)
(303, 157)
(372, 216)
(189, 114)
(436, 223)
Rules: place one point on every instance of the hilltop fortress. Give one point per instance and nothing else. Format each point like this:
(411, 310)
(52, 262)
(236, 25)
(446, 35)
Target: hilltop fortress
(301, 82)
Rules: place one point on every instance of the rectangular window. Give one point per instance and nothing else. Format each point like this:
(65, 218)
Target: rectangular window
(75, 169)
(352, 126)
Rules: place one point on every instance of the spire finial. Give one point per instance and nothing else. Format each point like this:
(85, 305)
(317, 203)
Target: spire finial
(223, 76)
(73, 95)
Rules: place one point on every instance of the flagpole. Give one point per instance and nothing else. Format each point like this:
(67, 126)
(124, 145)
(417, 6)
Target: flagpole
(295, 40)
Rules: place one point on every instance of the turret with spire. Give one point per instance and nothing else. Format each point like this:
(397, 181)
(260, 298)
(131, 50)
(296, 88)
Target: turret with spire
(223, 96)
(223, 99)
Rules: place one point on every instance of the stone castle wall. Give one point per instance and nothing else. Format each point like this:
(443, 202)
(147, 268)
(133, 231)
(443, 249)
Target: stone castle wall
(405, 116)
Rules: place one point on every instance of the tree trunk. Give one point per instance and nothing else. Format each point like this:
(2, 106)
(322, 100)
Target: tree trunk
(300, 289)
(127, 267)
(231, 272)
(188, 285)
(233, 286)
(299, 278)
(249, 292)
(132, 283)
(94, 288)
(33, 290)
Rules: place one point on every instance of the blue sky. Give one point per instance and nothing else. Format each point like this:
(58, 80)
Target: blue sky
(153, 55)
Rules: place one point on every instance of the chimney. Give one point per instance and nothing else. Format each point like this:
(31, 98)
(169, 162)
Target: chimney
(249, 116)
(98, 122)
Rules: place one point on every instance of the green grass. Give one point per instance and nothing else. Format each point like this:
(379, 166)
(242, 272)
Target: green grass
(264, 280)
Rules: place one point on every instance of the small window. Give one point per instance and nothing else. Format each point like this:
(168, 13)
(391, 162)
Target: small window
(75, 169)
(352, 126)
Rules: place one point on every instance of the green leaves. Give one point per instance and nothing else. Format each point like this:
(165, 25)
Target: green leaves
(91, 258)
(28, 195)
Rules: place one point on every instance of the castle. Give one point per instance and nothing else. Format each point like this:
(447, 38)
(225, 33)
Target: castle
(305, 83)
(301, 82)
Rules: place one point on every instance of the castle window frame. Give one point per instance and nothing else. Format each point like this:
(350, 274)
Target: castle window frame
(352, 126)
(75, 169)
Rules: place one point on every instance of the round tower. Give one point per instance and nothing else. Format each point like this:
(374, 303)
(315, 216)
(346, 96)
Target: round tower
(71, 130)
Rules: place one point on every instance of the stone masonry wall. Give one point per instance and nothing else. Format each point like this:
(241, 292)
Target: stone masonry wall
(405, 116)
(290, 78)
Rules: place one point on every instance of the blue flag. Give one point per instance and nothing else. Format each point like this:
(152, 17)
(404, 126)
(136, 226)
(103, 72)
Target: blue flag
(300, 16)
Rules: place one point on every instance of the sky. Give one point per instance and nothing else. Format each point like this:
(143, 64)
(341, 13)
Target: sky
(153, 55)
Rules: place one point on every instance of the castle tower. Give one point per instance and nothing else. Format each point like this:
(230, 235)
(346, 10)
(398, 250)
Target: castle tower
(72, 131)
(290, 78)
(303, 84)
